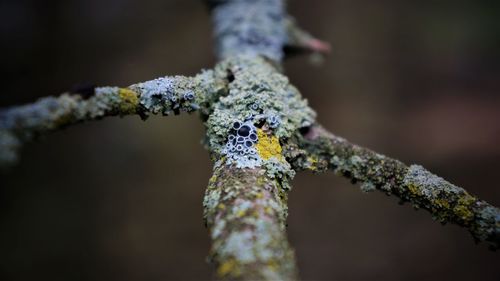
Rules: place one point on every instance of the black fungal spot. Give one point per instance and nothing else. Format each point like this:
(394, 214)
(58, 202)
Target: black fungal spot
(253, 137)
(244, 131)
(248, 144)
(236, 125)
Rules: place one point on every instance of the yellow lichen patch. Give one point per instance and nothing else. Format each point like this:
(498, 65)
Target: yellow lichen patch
(129, 101)
(312, 161)
(255, 214)
(259, 195)
(240, 213)
(268, 146)
(261, 181)
(212, 179)
(443, 203)
(226, 267)
(462, 209)
(221, 206)
(272, 265)
(413, 189)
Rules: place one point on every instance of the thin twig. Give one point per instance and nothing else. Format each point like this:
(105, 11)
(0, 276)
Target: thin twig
(446, 202)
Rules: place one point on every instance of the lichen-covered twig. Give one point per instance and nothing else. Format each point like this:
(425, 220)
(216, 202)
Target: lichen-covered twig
(262, 27)
(260, 131)
(245, 211)
(245, 134)
(446, 202)
(164, 95)
(249, 27)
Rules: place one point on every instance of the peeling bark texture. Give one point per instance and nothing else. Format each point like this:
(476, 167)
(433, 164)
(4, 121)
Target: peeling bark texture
(446, 202)
(260, 131)
(245, 211)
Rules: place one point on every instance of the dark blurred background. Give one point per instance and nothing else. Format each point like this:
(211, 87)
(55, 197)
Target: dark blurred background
(121, 199)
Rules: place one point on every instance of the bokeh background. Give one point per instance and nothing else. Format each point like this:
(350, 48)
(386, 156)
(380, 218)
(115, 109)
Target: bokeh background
(121, 199)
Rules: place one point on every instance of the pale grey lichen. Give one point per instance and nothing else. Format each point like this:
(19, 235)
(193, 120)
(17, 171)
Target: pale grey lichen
(241, 206)
(488, 222)
(218, 228)
(210, 202)
(105, 100)
(386, 187)
(38, 116)
(240, 245)
(157, 94)
(429, 185)
(367, 186)
(179, 94)
(250, 27)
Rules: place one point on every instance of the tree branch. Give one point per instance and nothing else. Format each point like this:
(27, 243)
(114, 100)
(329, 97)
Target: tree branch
(164, 95)
(245, 211)
(300, 41)
(446, 202)
(260, 131)
(249, 27)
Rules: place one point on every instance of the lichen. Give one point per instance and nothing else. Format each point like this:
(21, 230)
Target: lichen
(367, 186)
(256, 31)
(446, 202)
(228, 266)
(264, 100)
(249, 230)
(268, 146)
(463, 207)
(175, 94)
(240, 148)
(129, 101)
